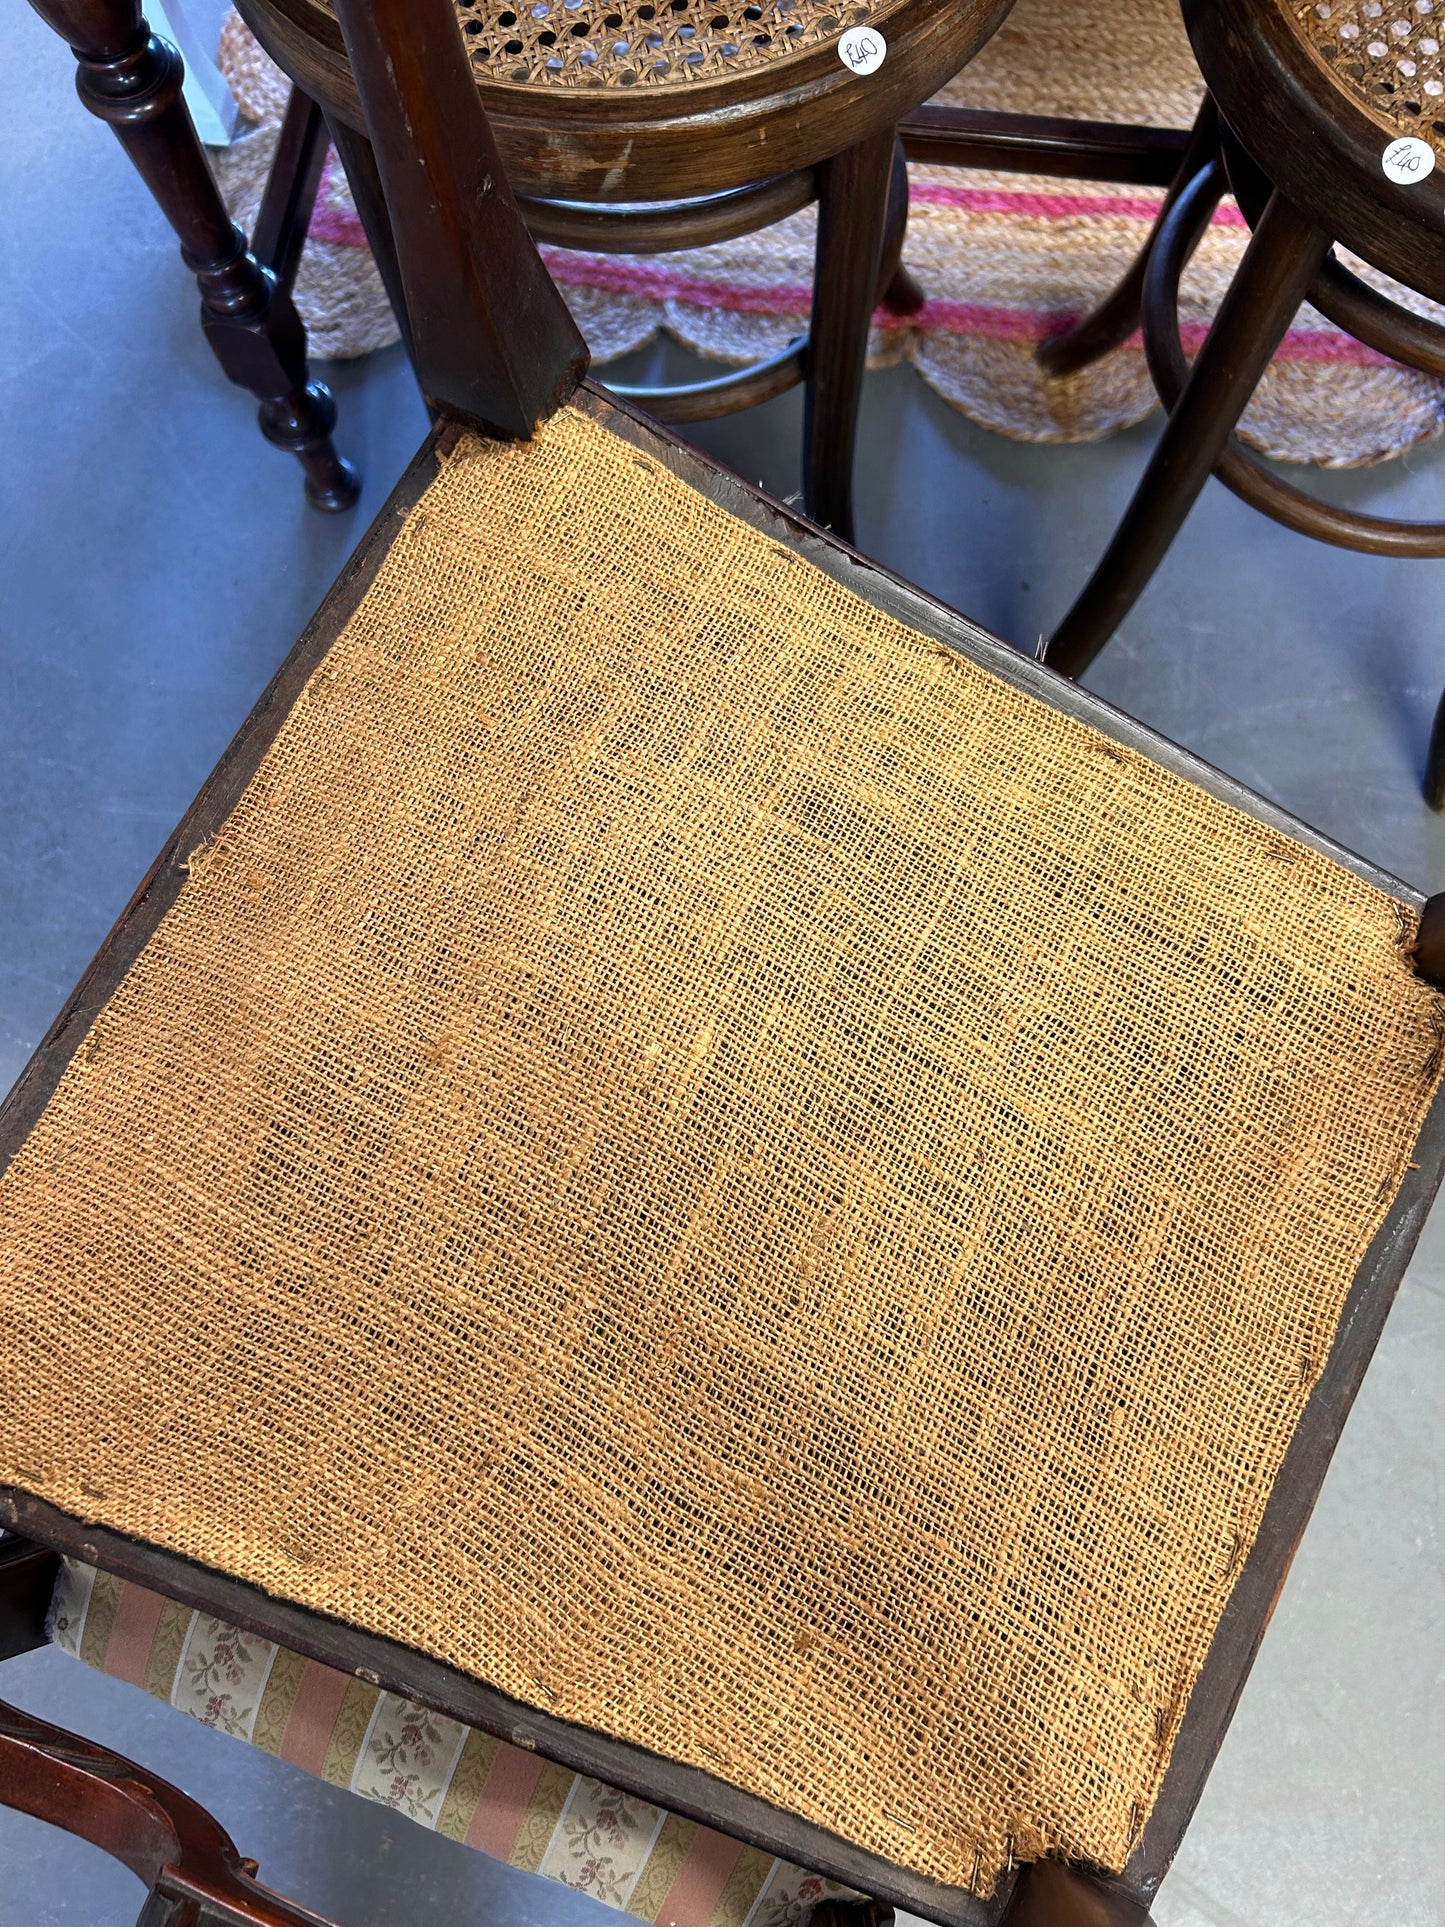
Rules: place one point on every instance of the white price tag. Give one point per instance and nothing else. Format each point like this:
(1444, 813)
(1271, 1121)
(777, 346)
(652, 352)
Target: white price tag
(1407, 160)
(863, 49)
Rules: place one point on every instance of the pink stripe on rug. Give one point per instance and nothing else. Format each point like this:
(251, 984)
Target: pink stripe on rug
(342, 228)
(336, 225)
(133, 1633)
(624, 275)
(620, 275)
(505, 1797)
(700, 1881)
(1055, 207)
(313, 1715)
(1027, 325)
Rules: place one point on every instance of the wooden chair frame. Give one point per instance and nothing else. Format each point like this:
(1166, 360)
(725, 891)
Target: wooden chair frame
(1266, 101)
(132, 79)
(498, 351)
(1103, 1899)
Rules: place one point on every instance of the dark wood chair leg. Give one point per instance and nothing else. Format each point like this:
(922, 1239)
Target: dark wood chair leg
(852, 216)
(132, 80)
(27, 1579)
(289, 199)
(1050, 1895)
(898, 292)
(359, 161)
(182, 1854)
(852, 1913)
(1282, 259)
(1435, 762)
(1110, 325)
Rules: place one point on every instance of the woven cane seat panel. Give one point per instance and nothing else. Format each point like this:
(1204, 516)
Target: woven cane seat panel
(627, 43)
(1386, 55)
(696, 1155)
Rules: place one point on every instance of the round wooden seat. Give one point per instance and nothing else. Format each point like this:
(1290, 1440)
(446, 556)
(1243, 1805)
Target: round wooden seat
(1317, 91)
(643, 126)
(664, 100)
(1326, 118)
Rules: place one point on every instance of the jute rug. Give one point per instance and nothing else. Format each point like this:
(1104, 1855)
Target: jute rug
(1003, 258)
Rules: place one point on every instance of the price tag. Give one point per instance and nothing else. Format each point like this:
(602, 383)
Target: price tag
(1408, 160)
(864, 50)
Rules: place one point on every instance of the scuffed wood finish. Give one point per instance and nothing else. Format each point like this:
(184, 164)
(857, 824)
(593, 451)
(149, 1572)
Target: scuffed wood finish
(670, 143)
(491, 337)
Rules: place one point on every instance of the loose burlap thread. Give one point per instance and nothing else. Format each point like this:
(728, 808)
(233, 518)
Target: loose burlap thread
(704, 1159)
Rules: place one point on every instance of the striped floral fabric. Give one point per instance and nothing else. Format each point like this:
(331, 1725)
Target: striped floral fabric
(459, 1782)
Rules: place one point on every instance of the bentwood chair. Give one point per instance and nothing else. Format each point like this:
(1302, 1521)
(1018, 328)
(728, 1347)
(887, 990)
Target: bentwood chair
(694, 1166)
(1326, 118)
(632, 125)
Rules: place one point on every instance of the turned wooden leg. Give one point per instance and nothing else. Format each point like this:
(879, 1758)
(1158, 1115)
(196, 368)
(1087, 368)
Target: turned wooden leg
(1282, 259)
(852, 215)
(1050, 1895)
(132, 80)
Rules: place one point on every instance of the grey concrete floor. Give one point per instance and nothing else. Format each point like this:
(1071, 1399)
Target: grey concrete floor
(155, 564)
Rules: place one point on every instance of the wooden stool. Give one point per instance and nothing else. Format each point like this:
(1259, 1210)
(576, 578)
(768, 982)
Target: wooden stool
(1326, 118)
(695, 1165)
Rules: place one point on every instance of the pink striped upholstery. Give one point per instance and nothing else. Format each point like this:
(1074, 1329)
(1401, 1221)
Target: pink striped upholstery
(459, 1782)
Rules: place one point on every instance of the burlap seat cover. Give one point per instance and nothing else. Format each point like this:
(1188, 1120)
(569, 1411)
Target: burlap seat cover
(704, 1159)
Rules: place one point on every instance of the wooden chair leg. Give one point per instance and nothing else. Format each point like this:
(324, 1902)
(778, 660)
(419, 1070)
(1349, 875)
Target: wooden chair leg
(132, 80)
(898, 292)
(27, 1579)
(1117, 316)
(182, 1854)
(1435, 762)
(359, 162)
(852, 216)
(1282, 259)
(292, 184)
(1050, 1895)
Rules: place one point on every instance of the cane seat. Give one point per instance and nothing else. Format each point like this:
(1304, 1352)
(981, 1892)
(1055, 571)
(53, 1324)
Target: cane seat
(624, 43)
(1385, 55)
(719, 1166)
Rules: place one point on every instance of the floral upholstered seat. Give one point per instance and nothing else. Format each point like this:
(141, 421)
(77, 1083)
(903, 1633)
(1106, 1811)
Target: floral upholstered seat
(457, 1781)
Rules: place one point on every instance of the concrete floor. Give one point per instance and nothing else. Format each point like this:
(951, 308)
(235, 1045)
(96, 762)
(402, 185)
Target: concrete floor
(156, 562)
